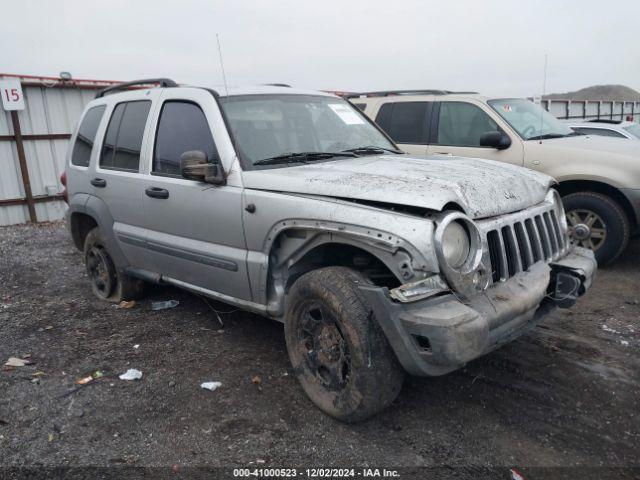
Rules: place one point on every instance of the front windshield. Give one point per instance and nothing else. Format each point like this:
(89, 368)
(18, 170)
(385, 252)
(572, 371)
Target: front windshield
(530, 120)
(633, 130)
(268, 126)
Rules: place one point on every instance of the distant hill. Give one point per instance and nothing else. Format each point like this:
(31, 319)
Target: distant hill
(599, 92)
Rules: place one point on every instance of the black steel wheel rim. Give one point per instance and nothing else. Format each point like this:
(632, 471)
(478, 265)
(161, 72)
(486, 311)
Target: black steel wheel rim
(100, 271)
(325, 348)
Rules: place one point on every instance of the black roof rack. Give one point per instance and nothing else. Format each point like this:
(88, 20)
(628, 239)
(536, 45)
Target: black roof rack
(276, 85)
(163, 82)
(386, 93)
(602, 120)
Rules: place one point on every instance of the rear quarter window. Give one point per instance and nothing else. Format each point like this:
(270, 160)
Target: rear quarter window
(83, 146)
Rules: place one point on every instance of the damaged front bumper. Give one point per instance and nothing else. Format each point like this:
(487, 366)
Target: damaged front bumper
(438, 335)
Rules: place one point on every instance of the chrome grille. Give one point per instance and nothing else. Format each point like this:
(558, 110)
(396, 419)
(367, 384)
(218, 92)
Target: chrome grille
(517, 241)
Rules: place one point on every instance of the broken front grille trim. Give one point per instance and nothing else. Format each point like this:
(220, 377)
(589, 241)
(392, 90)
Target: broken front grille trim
(513, 243)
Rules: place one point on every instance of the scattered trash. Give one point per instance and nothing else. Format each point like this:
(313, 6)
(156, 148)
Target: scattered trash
(90, 378)
(17, 362)
(211, 385)
(164, 305)
(49, 327)
(127, 304)
(38, 374)
(131, 374)
(624, 343)
(256, 380)
(515, 475)
(608, 329)
(136, 347)
(51, 437)
(259, 460)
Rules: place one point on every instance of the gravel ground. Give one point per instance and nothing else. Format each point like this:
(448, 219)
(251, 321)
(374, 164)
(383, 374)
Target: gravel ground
(564, 395)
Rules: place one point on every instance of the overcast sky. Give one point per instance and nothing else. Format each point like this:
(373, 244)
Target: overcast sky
(495, 47)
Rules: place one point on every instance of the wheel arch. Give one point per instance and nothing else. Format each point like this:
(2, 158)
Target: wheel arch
(80, 224)
(296, 251)
(568, 187)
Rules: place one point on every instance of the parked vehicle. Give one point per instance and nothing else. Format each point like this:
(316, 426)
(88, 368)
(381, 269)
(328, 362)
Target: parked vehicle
(293, 205)
(607, 128)
(599, 178)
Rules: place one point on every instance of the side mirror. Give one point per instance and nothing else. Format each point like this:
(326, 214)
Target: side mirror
(194, 165)
(495, 139)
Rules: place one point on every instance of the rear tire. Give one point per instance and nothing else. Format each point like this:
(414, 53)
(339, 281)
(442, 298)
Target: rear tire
(107, 282)
(597, 222)
(338, 351)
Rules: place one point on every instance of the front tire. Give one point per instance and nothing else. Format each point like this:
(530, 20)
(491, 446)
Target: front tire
(597, 222)
(338, 351)
(107, 282)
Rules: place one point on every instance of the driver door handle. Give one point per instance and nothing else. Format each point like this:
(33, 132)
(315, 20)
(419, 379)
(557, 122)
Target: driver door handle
(157, 192)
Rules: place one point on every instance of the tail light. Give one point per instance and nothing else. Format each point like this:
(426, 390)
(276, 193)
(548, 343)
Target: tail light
(63, 181)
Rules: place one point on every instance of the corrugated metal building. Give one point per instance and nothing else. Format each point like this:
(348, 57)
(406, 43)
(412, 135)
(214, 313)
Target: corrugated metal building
(52, 109)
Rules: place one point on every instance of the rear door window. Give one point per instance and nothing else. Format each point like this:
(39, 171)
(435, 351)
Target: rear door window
(603, 132)
(182, 127)
(462, 124)
(81, 154)
(123, 140)
(405, 122)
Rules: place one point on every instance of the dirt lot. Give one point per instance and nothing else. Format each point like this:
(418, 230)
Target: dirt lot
(564, 395)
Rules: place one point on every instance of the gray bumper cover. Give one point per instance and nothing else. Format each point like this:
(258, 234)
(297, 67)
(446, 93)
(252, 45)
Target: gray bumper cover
(459, 332)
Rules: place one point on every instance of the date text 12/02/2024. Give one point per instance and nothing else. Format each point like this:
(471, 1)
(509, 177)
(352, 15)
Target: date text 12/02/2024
(316, 472)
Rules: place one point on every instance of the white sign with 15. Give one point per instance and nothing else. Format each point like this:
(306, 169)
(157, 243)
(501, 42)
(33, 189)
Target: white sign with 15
(11, 92)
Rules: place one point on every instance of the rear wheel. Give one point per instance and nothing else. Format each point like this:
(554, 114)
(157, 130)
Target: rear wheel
(597, 222)
(107, 282)
(338, 351)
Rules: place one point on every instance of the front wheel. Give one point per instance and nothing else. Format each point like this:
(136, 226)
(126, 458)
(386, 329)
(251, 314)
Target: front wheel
(597, 222)
(338, 351)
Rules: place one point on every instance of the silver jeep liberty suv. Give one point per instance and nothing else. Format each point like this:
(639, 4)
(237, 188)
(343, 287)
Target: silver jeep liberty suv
(294, 205)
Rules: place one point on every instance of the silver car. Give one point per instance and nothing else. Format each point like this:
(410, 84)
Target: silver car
(607, 128)
(293, 205)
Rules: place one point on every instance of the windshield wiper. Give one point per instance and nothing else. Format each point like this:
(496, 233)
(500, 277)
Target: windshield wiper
(372, 149)
(302, 157)
(548, 136)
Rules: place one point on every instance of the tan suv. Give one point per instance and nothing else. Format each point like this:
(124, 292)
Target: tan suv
(599, 177)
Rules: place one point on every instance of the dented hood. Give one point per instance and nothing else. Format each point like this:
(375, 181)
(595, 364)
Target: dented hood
(483, 188)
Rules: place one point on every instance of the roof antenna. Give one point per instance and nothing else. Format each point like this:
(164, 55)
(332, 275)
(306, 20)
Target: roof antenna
(224, 77)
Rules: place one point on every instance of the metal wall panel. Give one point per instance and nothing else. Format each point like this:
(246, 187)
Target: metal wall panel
(47, 111)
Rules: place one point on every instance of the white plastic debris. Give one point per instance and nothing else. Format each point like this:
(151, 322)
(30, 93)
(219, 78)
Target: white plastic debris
(137, 346)
(131, 374)
(211, 385)
(625, 343)
(164, 305)
(17, 362)
(606, 328)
